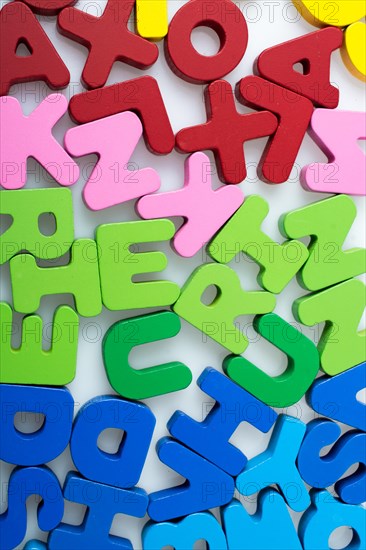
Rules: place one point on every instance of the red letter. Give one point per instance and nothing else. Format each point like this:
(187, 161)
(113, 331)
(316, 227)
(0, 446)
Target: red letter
(48, 7)
(294, 113)
(226, 19)
(225, 132)
(141, 95)
(108, 40)
(18, 25)
(313, 51)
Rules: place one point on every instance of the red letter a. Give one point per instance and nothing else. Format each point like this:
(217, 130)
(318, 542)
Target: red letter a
(313, 51)
(18, 25)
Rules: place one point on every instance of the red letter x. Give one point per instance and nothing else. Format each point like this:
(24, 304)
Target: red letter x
(108, 40)
(225, 132)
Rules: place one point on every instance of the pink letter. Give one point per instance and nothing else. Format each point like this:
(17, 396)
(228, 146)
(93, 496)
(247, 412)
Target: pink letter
(336, 133)
(114, 139)
(31, 136)
(204, 209)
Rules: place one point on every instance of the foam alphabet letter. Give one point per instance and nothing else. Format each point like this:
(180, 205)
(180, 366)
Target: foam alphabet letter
(326, 514)
(35, 545)
(103, 503)
(125, 335)
(278, 465)
(117, 265)
(226, 20)
(152, 18)
(122, 44)
(328, 222)
(225, 132)
(207, 486)
(336, 397)
(302, 367)
(25, 207)
(22, 137)
(80, 278)
(20, 26)
(294, 113)
(242, 233)
(114, 139)
(48, 7)
(203, 209)
(353, 54)
(23, 483)
(30, 364)
(313, 51)
(233, 406)
(217, 320)
(337, 134)
(123, 469)
(56, 404)
(322, 471)
(183, 534)
(270, 527)
(340, 13)
(341, 307)
(135, 95)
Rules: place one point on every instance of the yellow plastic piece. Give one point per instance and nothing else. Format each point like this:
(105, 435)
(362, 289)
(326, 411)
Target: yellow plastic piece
(337, 13)
(354, 50)
(152, 18)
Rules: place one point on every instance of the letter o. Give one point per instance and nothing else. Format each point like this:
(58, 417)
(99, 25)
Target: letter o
(226, 20)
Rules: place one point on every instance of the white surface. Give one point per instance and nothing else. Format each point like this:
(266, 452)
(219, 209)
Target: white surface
(269, 23)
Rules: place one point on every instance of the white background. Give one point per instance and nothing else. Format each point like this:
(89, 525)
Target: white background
(269, 23)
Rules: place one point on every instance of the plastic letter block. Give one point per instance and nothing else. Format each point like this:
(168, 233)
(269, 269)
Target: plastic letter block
(207, 486)
(337, 133)
(353, 51)
(122, 337)
(152, 18)
(183, 534)
(204, 210)
(328, 223)
(278, 465)
(30, 364)
(341, 307)
(294, 114)
(338, 13)
(48, 7)
(103, 503)
(18, 25)
(233, 406)
(25, 207)
(226, 19)
(35, 545)
(80, 278)
(322, 471)
(123, 468)
(45, 444)
(270, 527)
(23, 483)
(136, 95)
(336, 397)
(242, 233)
(225, 132)
(117, 265)
(121, 45)
(302, 364)
(31, 136)
(114, 139)
(217, 320)
(326, 514)
(313, 51)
